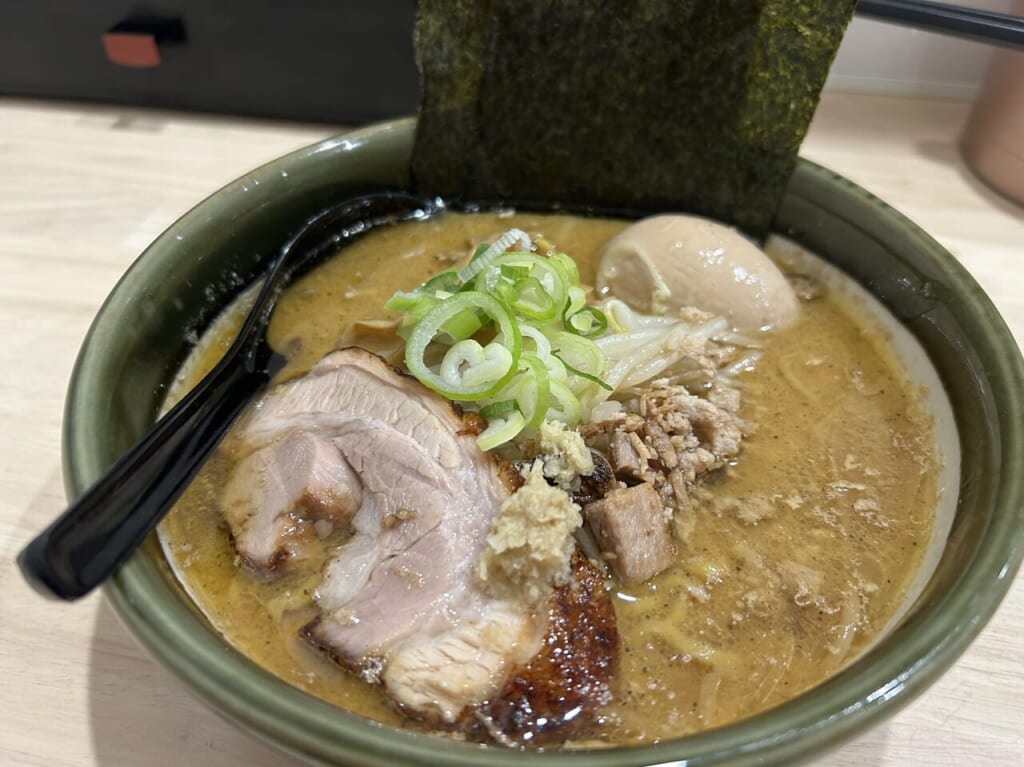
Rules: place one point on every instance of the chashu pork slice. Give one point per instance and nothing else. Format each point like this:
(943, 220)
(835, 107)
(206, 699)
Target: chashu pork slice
(400, 594)
(279, 496)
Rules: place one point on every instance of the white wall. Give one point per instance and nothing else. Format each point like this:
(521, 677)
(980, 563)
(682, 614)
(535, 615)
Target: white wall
(877, 57)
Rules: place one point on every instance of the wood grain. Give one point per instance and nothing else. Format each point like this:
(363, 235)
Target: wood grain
(84, 189)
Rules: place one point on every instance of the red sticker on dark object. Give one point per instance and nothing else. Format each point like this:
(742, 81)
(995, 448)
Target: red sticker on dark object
(131, 49)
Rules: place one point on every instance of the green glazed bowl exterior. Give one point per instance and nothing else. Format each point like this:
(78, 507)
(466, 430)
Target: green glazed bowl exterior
(141, 335)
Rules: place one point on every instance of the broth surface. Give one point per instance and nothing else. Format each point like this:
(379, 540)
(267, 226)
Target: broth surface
(792, 558)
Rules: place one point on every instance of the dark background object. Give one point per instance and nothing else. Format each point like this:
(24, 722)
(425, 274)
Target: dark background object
(981, 26)
(342, 61)
(136, 41)
(332, 60)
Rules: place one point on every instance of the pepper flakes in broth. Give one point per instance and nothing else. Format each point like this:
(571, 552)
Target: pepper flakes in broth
(791, 559)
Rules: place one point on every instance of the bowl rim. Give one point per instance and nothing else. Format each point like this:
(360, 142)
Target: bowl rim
(882, 681)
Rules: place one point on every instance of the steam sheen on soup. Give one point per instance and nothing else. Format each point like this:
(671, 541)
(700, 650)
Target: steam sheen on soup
(788, 557)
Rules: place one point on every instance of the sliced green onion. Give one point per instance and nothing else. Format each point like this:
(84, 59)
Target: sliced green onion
(513, 272)
(542, 349)
(541, 343)
(467, 363)
(550, 277)
(577, 299)
(557, 370)
(498, 409)
(501, 430)
(484, 375)
(587, 322)
(565, 406)
(570, 272)
(537, 361)
(530, 299)
(582, 374)
(482, 260)
(447, 281)
(404, 302)
(415, 313)
(503, 291)
(580, 352)
(462, 325)
(534, 390)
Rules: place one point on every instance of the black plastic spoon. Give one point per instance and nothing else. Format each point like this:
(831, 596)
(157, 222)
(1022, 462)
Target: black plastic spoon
(88, 542)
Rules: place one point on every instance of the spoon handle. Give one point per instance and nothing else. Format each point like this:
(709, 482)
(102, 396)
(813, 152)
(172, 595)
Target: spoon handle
(97, 532)
(87, 543)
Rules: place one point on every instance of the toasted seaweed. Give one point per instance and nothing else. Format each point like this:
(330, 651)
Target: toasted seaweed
(652, 105)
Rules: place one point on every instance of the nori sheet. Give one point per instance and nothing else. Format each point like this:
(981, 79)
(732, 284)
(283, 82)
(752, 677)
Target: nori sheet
(653, 105)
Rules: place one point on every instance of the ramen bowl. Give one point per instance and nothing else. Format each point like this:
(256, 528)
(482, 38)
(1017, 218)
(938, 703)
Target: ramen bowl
(179, 284)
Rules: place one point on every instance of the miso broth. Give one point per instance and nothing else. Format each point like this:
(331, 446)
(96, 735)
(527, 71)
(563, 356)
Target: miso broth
(792, 559)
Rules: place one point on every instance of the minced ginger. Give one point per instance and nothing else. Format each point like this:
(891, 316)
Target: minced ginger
(566, 456)
(531, 540)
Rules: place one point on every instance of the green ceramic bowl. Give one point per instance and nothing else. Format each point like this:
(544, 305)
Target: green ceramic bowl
(140, 337)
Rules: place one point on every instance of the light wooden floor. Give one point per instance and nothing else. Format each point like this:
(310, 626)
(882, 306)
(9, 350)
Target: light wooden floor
(84, 189)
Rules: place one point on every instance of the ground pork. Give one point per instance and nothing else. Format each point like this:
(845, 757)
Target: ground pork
(671, 440)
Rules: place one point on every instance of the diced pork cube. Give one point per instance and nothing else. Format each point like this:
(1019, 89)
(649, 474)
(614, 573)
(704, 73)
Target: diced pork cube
(632, 531)
(628, 463)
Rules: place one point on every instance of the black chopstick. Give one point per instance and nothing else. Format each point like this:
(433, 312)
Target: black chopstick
(999, 29)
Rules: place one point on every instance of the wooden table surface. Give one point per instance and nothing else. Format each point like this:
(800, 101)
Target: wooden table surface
(84, 189)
